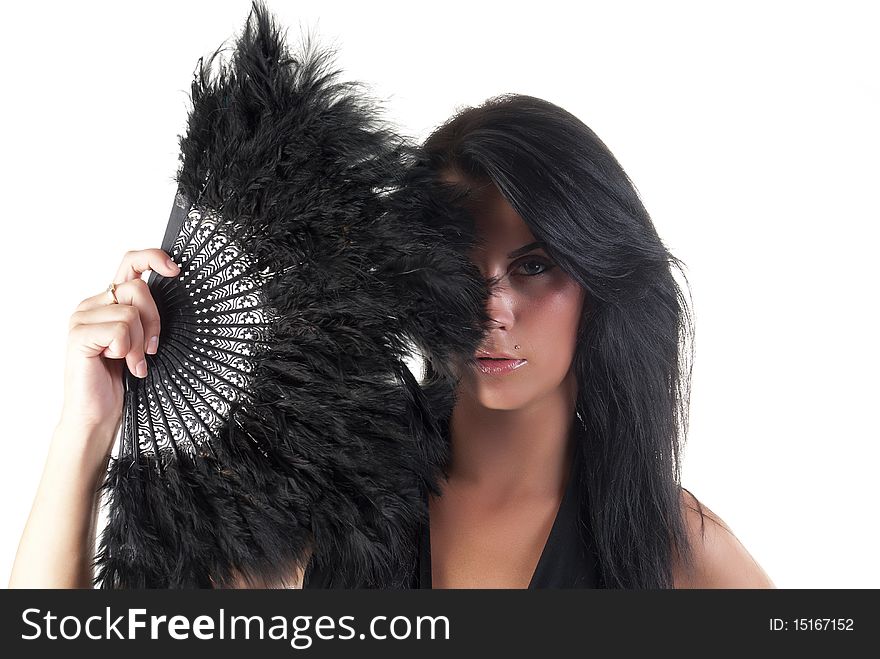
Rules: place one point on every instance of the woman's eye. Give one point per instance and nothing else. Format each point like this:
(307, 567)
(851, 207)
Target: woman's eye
(534, 266)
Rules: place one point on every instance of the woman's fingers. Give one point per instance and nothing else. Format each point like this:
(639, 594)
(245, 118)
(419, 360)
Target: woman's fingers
(137, 262)
(136, 315)
(135, 294)
(121, 335)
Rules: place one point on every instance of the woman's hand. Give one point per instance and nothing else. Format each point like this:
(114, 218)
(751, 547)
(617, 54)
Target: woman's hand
(104, 338)
(57, 546)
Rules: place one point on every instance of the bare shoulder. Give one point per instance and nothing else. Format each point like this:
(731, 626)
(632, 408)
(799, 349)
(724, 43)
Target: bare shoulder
(720, 559)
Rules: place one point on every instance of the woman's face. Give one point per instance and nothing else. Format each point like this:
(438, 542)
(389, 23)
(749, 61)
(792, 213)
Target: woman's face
(535, 305)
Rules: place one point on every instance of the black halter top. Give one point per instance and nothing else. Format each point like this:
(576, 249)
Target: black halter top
(567, 560)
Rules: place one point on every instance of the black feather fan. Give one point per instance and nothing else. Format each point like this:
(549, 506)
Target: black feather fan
(279, 419)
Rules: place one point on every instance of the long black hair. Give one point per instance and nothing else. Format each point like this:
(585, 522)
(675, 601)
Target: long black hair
(634, 347)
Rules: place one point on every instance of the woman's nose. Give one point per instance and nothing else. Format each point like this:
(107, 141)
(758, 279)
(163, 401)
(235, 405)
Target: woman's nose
(500, 304)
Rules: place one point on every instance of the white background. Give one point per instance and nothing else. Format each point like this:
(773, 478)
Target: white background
(749, 128)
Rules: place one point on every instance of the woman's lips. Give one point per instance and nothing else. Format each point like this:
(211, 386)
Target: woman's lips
(499, 366)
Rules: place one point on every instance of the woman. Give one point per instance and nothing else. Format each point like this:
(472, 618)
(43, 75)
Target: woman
(564, 441)
(587, 304)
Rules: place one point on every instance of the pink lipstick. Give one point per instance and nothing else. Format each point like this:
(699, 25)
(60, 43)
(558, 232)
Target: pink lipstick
(498, 366)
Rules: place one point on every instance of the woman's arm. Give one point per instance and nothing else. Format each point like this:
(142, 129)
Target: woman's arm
(56, 549)
(58, 542)
(57, 546)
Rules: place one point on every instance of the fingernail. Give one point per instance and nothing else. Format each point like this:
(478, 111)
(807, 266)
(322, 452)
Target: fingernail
(141, 369)
(152, 345)
(173, 265)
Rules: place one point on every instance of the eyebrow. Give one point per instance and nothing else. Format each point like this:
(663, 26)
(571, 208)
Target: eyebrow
(525, 249)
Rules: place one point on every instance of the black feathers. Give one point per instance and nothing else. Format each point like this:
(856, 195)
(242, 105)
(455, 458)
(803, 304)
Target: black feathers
(279, 418)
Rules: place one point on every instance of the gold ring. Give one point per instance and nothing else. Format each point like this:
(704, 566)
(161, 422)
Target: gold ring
(112, 290)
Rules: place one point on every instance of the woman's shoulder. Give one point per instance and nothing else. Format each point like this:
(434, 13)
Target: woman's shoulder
(720, 559)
